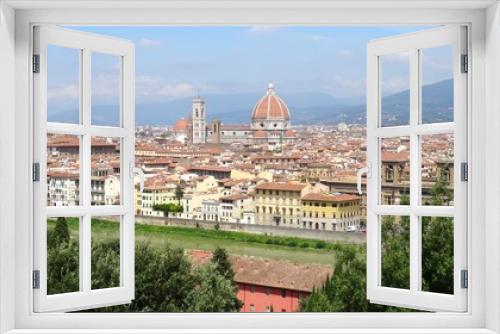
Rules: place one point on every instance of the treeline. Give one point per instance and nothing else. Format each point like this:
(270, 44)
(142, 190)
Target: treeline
(165, 278)
(345, 291)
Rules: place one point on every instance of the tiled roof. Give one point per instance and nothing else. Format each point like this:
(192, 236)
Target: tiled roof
(270, 107)
(285, 186)
(329, 198)
(272, 273)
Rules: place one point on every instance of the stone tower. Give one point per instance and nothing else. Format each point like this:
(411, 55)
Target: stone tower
(198, 117)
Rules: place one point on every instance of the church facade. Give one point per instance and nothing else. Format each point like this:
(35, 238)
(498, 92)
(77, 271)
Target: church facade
(270, 124)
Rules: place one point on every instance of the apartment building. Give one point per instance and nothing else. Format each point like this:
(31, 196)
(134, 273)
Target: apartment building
(337, 212)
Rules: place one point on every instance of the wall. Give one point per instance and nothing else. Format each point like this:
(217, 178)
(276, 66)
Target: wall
(351, 237)
(7, 169)
(259, 297)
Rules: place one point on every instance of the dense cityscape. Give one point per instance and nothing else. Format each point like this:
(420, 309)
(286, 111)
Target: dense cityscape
(278, 178)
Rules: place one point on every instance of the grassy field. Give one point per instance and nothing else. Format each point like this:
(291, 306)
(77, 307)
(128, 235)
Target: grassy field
(237, 243)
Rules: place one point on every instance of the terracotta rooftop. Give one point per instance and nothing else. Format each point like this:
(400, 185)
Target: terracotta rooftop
(270, 107)
(396, 156)
(329, 198)
(272, 273)
(233, 197)
(210, 168)
(285, 186)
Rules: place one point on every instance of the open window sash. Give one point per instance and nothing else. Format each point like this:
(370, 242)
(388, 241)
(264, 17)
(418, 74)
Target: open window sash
(412, 45)
(84, 44)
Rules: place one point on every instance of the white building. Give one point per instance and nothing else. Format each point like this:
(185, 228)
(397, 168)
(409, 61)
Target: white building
(210, 210)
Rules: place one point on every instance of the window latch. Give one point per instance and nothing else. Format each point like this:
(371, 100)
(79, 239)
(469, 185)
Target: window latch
(36, 279)
(139, 172)
(464, 171)
(36, 63)
(365, 170)
(36, 172)
(464, 279)
(465, 64)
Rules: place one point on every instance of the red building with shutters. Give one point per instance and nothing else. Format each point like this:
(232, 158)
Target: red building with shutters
(266, 285)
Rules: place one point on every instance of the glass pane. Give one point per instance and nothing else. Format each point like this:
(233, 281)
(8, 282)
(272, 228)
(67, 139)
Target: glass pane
(105, 252)
(395, 244)
(63, 170)
(437, 84)
(437, 170)
(395, 171)
(63, 254)
(106, 89)
(106, 165)
(63, 84)
(437, 254)
(394, 89)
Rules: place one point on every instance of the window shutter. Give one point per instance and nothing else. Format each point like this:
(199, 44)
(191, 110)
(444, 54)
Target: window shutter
(411, 224)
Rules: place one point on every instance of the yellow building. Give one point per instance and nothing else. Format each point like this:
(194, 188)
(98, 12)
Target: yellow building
(338, 212)
(156, 193)
(279, 203)
(237, 174)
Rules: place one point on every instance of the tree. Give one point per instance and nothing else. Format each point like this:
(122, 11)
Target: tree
(179, 193)
(166, 208)
(213, 292)
(220, 259)
(60, 233)
(345, 291)
(62, 259)
(165, 280)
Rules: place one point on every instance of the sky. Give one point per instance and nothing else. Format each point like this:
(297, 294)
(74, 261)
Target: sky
(177, 62)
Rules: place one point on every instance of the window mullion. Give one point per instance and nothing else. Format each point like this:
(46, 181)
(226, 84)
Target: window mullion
(415, 247)
(85, 163)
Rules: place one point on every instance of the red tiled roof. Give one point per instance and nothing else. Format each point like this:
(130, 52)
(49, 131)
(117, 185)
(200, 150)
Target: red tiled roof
(288, 186)
(270, 107)
(272, 273)
(329, 198)
(396, 156)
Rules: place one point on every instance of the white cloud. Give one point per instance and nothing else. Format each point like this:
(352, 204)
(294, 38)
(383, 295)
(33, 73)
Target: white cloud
(64, 92)
(349, 83)
(395, 84)
(148, 86)
(176, 90)
(397, 57)
(106, 85)
(148, 43)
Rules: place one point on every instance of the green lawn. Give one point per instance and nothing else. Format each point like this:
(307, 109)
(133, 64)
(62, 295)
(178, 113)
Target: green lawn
(238, 243)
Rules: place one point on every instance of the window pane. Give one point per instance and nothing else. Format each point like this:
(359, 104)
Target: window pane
(63, 170)
(437, 84)
(437, 170)
(395, 171)
(106, 89)
(394, 89)
(437, 254)
(106, 165)
(395, 244)
(63, 84)
(63, 264)
(105, 252)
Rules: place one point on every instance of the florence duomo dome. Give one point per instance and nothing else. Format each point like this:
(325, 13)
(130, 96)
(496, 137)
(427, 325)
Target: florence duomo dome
(270, 124)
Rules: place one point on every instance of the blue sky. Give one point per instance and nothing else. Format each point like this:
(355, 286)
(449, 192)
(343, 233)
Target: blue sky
(176, 62)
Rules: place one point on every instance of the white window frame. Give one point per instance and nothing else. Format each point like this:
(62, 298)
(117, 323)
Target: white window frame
(86, 44)
(483, 124)
(412, 44)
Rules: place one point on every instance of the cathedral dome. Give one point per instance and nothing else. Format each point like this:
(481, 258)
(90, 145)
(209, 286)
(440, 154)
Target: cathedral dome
(270, 107)
(181, 126)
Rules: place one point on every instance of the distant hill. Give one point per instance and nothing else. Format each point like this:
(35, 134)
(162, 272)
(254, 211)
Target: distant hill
(306, 108)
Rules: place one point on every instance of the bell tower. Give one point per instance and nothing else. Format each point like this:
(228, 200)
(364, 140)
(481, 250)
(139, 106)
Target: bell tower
(198, 116)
